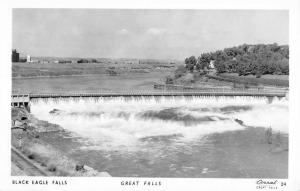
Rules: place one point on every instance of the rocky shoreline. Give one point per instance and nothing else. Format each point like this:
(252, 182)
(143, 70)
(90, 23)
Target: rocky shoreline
(25, 133)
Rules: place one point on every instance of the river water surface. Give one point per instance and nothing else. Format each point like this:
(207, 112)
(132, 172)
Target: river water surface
(172, 136)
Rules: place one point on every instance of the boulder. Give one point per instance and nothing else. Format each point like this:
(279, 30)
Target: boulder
(55, 111)
(79, 167)
(23, 118)
(18, 123)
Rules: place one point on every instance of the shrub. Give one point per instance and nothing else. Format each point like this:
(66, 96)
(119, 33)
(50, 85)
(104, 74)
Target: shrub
(169, 80)
(51, 168)
(258, 74)
(180, 71)
(31, 156)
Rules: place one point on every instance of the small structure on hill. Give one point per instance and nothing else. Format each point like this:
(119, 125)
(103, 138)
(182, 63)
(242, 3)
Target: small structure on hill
(15, 56)
(212, 64)
(28, 58)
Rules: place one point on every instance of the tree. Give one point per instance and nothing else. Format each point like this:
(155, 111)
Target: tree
(284, 66)
(231, 65)
(83, 61)
(284, 51)
(220, 58)
(220, 66)
(203, 61)
(190, 63)
(245, 59)
(245, 65)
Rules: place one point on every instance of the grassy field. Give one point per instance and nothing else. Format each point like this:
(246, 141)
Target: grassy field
(54, 69)
(272, 80)
(92, 83)
(52, 78)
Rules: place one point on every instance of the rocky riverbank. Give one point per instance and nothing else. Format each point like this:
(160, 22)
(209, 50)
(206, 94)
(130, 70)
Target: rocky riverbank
(25, 133)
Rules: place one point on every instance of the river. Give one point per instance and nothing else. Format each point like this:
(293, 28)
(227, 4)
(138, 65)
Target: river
(172, 136)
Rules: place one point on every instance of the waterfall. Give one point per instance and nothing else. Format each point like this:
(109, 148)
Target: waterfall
(125, 122)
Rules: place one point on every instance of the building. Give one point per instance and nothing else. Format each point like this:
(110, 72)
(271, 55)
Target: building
(212, 64)
(15, 56)
(28, 58)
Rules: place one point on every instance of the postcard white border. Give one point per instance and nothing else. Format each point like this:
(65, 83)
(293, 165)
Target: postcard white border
(97, 183)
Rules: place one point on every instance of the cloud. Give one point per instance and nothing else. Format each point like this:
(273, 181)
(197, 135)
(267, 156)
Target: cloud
(123, 31)
(156, 31)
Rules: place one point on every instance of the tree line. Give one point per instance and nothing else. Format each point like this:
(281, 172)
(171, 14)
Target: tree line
(245, 59)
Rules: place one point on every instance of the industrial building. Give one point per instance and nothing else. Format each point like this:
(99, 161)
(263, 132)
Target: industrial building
(15, 56)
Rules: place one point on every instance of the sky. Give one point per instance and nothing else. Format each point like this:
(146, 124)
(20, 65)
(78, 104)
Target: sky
(138, 33)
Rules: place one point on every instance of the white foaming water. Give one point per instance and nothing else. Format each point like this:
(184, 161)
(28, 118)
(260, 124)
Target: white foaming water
(123, 123)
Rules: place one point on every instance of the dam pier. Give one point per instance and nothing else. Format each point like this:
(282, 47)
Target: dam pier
(20, 100)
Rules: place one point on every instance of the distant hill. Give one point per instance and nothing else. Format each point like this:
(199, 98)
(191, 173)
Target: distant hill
(105, 60)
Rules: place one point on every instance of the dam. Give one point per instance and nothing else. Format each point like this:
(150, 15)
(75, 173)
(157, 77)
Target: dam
(22, 100)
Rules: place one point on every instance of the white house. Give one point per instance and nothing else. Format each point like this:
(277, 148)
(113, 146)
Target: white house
(28, 58)
(212, 64)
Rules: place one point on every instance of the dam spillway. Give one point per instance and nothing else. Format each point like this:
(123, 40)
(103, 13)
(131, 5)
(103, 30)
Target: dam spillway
(212, 92)
(23, 99)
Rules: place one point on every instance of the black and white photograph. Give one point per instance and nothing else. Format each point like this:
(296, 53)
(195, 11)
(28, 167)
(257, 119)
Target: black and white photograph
(152, 94)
